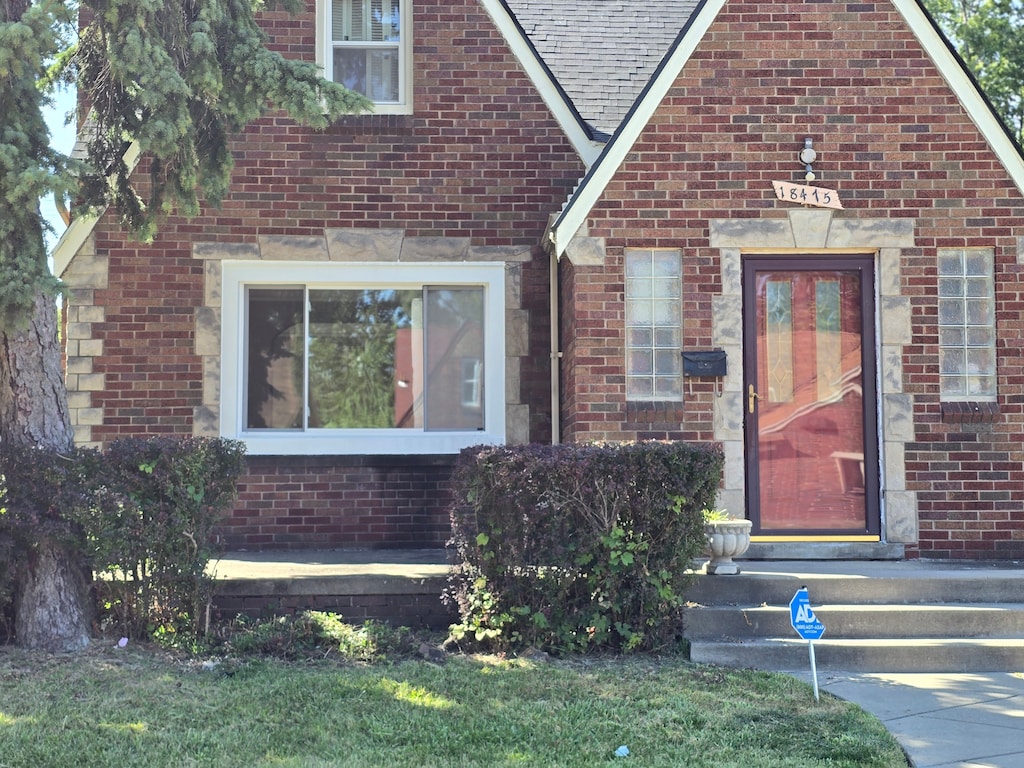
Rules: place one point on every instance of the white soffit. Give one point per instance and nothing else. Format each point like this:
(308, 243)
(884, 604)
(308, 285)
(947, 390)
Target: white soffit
(81, 227)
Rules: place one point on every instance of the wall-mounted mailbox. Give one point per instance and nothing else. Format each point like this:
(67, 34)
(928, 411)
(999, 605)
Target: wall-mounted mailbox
(704, 363)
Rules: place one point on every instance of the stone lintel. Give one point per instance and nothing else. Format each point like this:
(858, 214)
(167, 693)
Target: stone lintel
(363, 244)
(292, 248)
(226, 251)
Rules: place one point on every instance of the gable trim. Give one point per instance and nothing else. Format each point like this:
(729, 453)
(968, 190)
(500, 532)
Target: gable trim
(574, 215)
(966, 89)
(979, 110)
(547, 86)
(81, 227)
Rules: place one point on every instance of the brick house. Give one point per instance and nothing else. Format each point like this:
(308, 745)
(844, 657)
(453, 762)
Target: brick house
(793, 228)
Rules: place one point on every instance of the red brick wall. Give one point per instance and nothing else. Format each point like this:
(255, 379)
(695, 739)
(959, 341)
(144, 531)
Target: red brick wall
(335, 502)
(481, 158)
(895, 142)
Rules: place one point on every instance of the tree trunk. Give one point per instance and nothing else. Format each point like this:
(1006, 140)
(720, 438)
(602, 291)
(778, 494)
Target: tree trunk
(51, 605)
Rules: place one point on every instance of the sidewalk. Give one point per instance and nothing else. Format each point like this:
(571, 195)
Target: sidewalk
(942, 720)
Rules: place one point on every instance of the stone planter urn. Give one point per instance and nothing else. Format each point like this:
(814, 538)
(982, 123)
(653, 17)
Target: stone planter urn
(726, 539)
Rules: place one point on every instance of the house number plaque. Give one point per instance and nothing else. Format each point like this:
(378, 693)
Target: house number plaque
(805, 195)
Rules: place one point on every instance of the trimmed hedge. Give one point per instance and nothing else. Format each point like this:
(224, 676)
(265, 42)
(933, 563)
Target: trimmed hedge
(574, 547)
(150, 530)
(139, 516)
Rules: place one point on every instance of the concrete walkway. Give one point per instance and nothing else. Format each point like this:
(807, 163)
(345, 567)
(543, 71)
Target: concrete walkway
(941, 720)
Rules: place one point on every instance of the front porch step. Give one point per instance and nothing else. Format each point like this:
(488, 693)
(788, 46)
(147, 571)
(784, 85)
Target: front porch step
(901, 617)
(954, 621)
(933, 655)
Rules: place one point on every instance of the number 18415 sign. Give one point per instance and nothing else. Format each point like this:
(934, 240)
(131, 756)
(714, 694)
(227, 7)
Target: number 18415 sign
(807, 195)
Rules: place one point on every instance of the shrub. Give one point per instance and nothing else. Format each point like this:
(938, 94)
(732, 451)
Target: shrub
(573, 547)
(149, 529)
(315, 635)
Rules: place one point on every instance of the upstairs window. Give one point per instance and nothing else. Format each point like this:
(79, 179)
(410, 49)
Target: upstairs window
(967, 325)
(366, 48)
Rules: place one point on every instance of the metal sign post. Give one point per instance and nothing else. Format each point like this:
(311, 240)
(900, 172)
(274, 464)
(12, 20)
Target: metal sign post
(806, 624)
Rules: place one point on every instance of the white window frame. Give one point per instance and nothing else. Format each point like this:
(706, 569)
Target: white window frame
(325, 57)
(237, 276)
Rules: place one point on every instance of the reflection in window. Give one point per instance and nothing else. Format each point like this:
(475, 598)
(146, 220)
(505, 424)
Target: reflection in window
(828, 342)
(967, 356)
(779, 340)
(366, 48)
(653, 325)
(373, 358)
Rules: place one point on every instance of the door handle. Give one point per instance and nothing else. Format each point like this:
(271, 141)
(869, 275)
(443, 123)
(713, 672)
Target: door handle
(751, 397)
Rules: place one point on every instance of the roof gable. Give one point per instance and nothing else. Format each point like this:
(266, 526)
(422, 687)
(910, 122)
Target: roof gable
(602, 52)
(966, 90)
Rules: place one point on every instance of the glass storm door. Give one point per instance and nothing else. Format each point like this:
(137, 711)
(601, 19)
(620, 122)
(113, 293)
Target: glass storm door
(809, 397)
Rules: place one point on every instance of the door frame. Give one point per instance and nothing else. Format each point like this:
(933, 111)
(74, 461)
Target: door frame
(865, 265)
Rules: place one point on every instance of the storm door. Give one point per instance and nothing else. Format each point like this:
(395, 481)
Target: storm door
(809, 395)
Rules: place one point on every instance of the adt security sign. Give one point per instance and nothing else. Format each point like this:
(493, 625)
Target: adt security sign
(802, 617)
(807, 626)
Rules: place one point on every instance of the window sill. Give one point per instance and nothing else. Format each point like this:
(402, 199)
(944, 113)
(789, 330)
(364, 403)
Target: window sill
(970, 412)
(654, 411)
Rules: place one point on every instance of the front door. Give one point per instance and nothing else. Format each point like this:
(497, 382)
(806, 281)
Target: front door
(809, 391)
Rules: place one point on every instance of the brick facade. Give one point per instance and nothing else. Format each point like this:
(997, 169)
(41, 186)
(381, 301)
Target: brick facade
(898, 145)
(476, 169)
(476, 172)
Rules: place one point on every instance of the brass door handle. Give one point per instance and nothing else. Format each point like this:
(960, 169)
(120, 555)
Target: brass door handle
(751, 397)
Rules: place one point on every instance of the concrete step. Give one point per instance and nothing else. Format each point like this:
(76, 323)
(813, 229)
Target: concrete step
(778, 589)
(913, 655)
(878, 617)
(869, 621)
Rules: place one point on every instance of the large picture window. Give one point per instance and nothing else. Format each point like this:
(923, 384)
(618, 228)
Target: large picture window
(363, 359)
(365, 47)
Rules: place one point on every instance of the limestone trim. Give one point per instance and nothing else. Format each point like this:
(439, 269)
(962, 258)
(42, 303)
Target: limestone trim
(85, 274)
(362, 245)
(821, 232)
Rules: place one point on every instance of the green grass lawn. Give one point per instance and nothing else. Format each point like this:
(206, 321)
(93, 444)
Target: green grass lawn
(139, 707)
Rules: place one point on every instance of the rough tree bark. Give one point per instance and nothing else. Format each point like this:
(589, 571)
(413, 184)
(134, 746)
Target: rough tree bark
(51, 602)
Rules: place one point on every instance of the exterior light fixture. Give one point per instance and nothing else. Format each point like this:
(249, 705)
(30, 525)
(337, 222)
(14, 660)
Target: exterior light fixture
(808, 156)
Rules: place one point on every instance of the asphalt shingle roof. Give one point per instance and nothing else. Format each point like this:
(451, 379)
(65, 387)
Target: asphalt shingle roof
(602, 52)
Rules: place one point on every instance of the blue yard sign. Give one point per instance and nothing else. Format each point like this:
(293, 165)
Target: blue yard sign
(802, 617)
(806, 624)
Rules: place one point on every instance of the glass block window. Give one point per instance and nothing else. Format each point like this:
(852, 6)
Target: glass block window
(654, 324)
(967, 325)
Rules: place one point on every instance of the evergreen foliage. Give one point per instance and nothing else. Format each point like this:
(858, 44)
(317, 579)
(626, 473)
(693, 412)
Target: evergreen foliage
(179, 78)
(29, 168)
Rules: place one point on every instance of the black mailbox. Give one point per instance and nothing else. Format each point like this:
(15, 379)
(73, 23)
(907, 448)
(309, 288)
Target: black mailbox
(707, 363)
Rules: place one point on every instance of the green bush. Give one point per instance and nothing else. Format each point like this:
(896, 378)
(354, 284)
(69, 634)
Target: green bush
(149, 529)
(315, 635)
(574, 547)
(139, 516)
